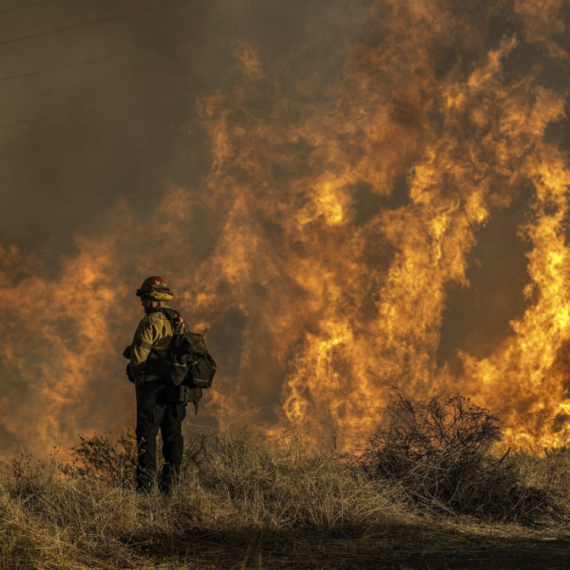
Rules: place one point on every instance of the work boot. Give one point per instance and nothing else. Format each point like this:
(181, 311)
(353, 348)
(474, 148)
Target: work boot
(146, 481)
(144, 489)
(168, 478)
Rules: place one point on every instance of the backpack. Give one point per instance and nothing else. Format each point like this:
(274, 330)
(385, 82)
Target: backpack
(189, 367)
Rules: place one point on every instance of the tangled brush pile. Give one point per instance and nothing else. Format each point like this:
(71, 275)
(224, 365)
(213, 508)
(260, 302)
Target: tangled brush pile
(439, 452)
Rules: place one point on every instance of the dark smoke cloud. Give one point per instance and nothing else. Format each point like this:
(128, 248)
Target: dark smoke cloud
(75, 138)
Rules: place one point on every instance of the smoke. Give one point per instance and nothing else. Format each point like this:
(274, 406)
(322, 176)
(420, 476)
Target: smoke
(349, 195)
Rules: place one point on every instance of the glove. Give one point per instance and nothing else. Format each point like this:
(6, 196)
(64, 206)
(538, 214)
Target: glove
(129, 375)
(127, 352)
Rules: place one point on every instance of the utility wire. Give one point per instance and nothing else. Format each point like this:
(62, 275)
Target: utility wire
(88, 61)
(90, 23)
(27, 6)
(66, 66)
(116, 103)
(4, 126)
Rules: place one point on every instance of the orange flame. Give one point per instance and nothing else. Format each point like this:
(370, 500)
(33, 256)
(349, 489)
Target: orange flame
(322, 248)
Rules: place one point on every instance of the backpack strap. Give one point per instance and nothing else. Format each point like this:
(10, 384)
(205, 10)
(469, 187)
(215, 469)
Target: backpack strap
(172, 315)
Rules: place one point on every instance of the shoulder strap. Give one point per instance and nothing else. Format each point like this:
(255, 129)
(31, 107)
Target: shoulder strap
(172, 315)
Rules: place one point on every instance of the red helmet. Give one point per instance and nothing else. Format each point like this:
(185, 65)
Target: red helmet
(151, 285)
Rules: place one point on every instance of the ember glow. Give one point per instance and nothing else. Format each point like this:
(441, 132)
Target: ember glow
(339, 240)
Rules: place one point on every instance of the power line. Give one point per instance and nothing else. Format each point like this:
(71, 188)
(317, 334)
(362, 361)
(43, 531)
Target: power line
(66, 66)
(27, 6)
(88, 61)
(67, 114)
(5, 126)
(91, 22)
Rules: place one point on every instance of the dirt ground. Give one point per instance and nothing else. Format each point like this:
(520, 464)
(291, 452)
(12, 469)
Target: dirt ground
(405, 548)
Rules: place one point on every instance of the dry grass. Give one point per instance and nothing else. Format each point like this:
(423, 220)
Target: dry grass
(550, 470)
(68, 516)
(243, 505)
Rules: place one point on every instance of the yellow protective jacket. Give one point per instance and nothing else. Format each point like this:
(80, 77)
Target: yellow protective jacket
(151, 343)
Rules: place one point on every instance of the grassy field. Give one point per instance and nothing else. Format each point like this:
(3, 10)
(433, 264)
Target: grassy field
(288, 503)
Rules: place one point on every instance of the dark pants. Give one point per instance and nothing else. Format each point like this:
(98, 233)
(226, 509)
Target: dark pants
(153, 413)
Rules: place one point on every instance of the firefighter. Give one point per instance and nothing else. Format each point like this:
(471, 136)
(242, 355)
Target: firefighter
(151, 343)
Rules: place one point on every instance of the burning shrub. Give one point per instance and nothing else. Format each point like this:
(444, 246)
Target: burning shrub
(439, 452)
